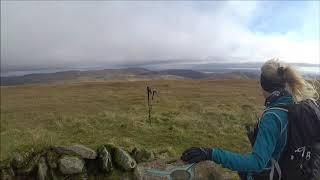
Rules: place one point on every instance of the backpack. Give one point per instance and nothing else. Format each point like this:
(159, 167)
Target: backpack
(300, 159)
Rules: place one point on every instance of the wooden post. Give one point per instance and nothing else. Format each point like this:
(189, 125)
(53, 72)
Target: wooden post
(150, 93)
(149, 103)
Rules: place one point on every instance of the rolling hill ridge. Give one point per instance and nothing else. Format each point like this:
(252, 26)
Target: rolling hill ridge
(130, 74)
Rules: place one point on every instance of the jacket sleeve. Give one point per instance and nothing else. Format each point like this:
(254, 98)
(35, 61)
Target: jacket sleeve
(268, 134)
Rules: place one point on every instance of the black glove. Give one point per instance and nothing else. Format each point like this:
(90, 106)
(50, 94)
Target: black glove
(195, 154)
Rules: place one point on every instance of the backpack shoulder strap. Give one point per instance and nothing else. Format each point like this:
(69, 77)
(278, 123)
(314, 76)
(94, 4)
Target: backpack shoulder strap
(281, 107)
(252, 134)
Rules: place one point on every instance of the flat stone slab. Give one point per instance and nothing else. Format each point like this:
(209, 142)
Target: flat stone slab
(83, 151)
(80, 150)
(178, 170)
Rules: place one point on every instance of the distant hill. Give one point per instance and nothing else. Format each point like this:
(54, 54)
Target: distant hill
(130, 74)
(40, 78)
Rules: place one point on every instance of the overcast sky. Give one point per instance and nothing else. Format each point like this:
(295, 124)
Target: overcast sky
(85, 33)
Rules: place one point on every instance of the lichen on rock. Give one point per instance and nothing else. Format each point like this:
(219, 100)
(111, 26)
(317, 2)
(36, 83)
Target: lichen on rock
(124, 160)
(71, 165)
(42, 169)
(79, 150)
(104, 159)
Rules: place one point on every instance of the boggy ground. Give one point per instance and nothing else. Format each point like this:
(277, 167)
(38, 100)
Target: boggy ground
(186, 113)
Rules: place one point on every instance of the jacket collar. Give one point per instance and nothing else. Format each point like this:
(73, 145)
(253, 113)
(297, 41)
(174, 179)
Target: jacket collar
(279, 97)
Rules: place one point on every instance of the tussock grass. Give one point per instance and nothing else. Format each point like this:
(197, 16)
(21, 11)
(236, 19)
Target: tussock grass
(187, 113)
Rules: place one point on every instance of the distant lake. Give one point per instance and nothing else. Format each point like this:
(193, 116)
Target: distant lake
(303, 69)
(310, 70)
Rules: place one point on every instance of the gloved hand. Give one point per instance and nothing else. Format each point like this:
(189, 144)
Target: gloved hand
(196, 154)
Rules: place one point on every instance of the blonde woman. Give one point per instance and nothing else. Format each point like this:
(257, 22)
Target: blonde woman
(281, 85)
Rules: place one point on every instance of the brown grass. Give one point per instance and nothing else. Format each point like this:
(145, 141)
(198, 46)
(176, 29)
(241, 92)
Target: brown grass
(187, 113)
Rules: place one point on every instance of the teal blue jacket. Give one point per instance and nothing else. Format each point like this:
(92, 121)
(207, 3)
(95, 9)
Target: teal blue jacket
(270, 142)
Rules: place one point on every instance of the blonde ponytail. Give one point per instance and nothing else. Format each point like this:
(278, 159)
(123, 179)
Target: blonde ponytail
(298, 86)
(295, 83)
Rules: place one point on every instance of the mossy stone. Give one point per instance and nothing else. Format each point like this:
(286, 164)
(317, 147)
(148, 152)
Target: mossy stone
(124, 160)
(104, 159)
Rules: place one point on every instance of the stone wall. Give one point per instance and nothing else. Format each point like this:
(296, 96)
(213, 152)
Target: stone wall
(80, 162)
(73, 162)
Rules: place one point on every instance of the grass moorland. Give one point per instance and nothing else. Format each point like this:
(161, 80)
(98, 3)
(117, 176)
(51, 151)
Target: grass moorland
(186, 113)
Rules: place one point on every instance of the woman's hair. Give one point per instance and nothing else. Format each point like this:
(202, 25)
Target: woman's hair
(276, 72)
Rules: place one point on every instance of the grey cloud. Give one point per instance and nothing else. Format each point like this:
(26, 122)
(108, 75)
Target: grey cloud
(38, 34)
